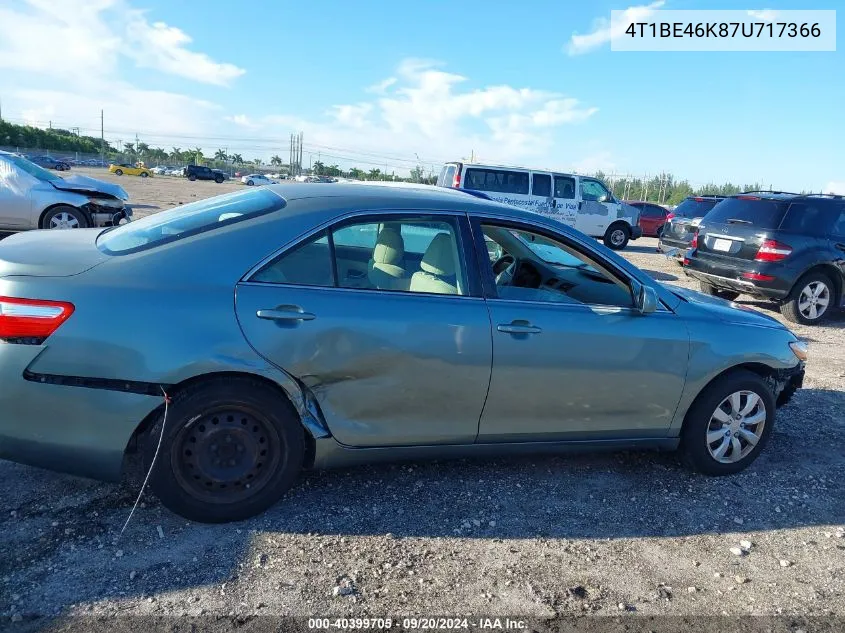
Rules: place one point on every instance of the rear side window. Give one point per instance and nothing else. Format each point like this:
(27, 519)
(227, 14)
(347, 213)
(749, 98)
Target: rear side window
(542, 185)
(839, 226)
(181, 222)
(650, 211)
(808, 219)
(496, 180)
(565, 187)
(692, 208)
(761, 214)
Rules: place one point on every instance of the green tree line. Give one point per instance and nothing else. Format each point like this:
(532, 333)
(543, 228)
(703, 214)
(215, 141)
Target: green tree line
(57, 139)
(665, 189)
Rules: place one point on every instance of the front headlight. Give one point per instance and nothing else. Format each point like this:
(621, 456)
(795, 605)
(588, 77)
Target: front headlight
(108, 203)
(800, 349)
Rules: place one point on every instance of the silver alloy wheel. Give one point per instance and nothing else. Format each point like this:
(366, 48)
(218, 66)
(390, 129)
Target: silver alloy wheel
(64, 220)
(617, 237)
(736, 426)
(813, 300)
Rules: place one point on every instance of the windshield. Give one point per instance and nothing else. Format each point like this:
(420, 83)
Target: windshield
(31, 168)
(187, 220)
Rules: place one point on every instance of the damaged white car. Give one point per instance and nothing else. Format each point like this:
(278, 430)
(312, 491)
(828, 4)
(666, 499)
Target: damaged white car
(32, 197)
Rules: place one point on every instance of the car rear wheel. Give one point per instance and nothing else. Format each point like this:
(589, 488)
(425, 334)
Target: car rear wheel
(192, 177)
(713, 291)
(810, 299)
(617, 236)
(118, 172)
(250, 183)
(729, 424)
(144, 174)
(65, 217)
(218, 179)
(230, 449)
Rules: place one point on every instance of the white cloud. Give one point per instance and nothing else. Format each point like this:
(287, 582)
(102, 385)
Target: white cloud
(381, 87)
(87, 38)
(835, 186)
(764, 15)
(351, 115)
(243, 121)
(603, 31)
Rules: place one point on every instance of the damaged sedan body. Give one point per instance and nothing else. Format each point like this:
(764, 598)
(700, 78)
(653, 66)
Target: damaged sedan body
(32, 197)
(295, 326)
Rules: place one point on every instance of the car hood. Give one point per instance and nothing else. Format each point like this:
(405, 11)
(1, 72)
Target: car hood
(84, 184)
(727, 311)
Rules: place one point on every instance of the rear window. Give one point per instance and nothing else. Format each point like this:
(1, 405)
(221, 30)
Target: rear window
(761, 214)
(447, 176)
(496, 180)
(691, 208)
(181, 222)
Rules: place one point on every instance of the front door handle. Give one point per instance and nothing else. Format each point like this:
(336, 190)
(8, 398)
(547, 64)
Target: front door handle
(518, 327)
(285, 313)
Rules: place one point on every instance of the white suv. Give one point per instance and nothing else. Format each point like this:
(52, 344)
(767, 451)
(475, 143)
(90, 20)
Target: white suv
(581, 202)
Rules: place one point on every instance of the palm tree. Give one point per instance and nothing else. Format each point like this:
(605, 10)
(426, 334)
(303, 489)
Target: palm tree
(197, 155)
(221, 155)
(375, 174)
(236, 159)
(129, 148)
(257, 162)
(319, 168)
(176, 154)
(276, 160)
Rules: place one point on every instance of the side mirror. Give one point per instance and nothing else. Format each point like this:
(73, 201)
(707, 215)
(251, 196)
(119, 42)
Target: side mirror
(645, 298)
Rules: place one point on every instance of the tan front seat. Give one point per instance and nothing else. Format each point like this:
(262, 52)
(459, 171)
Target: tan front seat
(386, 269)
(438, 268)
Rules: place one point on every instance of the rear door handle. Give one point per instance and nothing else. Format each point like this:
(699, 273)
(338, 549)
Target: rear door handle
(285, 313)
(518, 327)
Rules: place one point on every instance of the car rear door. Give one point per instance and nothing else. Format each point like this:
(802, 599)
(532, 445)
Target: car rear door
(572, 360)
(387, 367)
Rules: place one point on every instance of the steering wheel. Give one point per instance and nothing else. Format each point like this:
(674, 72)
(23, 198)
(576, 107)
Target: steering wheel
(502, 263)
(507, 274)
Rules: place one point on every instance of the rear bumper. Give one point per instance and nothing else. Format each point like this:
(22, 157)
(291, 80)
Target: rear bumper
(730, 278)
(672, 248)
(74, 430)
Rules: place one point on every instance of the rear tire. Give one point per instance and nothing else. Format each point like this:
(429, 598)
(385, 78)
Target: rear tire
(64, 216)
(616, 237)
(250, 183)
(701, 424)
(118, 172)
(144, 174)
(659, 232)
(231, 448)
(218, 179)
(713, 291)
(192, 177)
(810, 300)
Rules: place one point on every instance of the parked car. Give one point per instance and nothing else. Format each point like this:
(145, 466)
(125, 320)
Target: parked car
(129, 169)
(159, 170)
(32, 197)
(787, 248)
(201, 172)
(682, 222)
(48, 162)
(313, 367)
(257, 179)
(578, 201)
(652, 217)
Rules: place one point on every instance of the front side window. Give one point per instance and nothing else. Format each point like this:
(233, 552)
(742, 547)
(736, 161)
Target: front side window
(594, 191)
(417, 255)
(537, 268)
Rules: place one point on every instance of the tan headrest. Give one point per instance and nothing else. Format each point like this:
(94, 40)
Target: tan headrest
(439, 258)
(390, 247)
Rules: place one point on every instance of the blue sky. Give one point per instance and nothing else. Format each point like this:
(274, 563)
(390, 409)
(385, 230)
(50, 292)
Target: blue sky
(378, 84)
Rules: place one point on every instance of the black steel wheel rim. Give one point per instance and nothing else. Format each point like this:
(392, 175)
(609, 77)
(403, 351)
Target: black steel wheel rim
(226, 455)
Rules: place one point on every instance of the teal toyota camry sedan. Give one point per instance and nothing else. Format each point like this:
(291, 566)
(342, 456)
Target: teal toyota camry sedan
(238, 340)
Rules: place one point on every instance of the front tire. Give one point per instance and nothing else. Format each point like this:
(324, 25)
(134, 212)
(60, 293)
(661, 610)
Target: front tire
(218, 179)
(231, 448)
(144, 174)
(65, 216)
(810, 300)
(192, 177)
(616, 237)
(713, 291)
(728, 424)
(250, 183)
(118, 172)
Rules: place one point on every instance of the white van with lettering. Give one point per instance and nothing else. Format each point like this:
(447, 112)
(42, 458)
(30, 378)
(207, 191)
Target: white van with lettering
(581, 202)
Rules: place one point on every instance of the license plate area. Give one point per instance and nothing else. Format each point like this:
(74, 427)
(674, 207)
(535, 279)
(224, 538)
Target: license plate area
(723, 245)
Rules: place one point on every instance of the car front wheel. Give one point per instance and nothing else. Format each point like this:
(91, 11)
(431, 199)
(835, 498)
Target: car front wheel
(810, 299)
(118, 172)
(729, 424)
(65, 217)
(617, 237)
(250, 183)
(230, 448)
(218, 179)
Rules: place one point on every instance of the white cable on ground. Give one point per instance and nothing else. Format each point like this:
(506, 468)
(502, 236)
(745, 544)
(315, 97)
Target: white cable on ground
(152, 463)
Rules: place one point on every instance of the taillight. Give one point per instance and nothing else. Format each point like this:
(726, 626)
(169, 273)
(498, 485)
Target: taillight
(669, 216)
(456, 179)
(773, 251)
(31, 318)
(694, 243)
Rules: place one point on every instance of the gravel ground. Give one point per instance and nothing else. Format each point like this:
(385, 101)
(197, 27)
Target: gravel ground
(537, 537)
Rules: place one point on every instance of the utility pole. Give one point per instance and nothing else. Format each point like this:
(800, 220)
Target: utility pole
(102, 140)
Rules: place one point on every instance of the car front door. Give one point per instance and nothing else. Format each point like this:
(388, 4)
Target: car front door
(572, 359)
(400, 355)
(593, 208)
